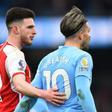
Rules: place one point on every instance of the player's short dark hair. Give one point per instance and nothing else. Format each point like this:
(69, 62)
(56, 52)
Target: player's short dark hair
(17, 14)
(72, 22)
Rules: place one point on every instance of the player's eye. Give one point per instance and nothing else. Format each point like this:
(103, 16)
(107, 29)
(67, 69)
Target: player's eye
(31, 26)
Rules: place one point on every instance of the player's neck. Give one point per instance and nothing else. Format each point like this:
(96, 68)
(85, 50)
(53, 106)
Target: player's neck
(14, 41)
(71, 43)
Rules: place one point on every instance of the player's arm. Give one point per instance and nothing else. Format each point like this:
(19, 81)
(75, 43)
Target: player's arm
(27, 102)
(15, 66)
(83, 80)
(25, 88)
(84, 94)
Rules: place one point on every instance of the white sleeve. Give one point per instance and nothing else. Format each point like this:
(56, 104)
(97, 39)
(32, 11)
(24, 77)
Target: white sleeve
(15, 63)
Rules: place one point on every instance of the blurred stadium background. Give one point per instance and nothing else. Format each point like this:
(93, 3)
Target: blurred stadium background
(49, 14)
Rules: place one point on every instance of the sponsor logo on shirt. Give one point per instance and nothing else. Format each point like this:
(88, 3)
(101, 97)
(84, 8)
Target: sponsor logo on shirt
(84, 64)
(21, 65)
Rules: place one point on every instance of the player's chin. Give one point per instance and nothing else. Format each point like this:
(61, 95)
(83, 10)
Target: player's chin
(29, 43)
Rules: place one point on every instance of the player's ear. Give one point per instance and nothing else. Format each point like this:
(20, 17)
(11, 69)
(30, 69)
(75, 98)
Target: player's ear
(15, 29)
(80, 36)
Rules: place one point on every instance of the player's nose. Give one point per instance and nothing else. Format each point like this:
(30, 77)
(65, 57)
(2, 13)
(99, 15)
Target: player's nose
(34, 31)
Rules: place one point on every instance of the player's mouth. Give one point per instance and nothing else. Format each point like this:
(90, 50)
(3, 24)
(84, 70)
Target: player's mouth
(31, 37)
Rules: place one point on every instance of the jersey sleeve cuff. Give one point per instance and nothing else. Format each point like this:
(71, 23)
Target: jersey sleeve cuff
(18, 73)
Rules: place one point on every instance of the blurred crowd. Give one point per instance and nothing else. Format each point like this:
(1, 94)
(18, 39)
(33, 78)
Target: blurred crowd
(60, 7)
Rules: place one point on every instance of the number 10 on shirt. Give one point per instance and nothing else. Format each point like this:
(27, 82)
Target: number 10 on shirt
(63, 73)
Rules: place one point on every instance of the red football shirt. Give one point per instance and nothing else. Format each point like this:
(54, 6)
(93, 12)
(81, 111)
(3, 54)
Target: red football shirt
(12, 62)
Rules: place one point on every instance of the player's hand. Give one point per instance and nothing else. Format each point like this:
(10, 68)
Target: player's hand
(54, 97)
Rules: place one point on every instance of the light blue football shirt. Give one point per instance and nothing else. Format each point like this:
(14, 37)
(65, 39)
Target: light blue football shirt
(59, 69)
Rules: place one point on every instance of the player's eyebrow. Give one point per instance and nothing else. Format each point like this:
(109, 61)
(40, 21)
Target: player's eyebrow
(30, 26)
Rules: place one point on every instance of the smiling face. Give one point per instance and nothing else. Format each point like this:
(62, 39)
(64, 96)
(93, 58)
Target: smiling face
(27, 31)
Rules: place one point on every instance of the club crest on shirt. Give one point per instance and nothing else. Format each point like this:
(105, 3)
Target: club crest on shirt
(21, 64)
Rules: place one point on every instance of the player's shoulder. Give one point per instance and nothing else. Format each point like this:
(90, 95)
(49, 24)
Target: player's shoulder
(85, 56)
(77, 52)
(85, 53)
(10, 50)
(49, 56)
